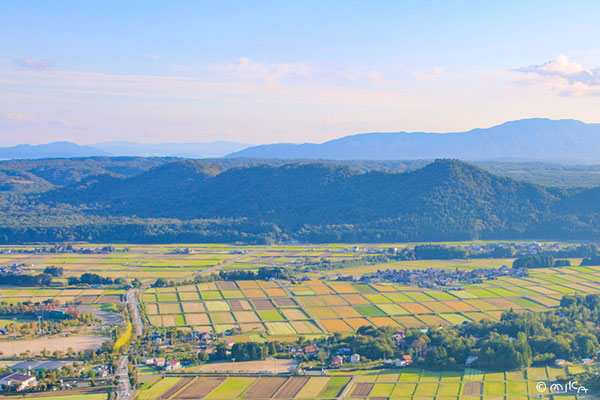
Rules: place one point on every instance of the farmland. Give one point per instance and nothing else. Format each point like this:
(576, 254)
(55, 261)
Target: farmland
(400, 384)
(316, 307)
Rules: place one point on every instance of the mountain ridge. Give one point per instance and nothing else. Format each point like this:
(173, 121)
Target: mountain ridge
(534, 139)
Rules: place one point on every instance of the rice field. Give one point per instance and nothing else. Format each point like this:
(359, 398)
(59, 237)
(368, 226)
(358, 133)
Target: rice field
(85, 296)
(392, 384)
(279, 308)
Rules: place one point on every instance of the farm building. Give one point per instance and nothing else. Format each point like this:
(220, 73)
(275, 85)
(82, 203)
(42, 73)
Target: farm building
(18, 381)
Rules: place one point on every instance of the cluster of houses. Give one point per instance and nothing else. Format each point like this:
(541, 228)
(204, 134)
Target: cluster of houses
(18, 381)
(441, 278)
(164, 364)
(58, 249)
(14, 269)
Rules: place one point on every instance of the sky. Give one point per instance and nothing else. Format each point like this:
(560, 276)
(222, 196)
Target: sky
(289, 71)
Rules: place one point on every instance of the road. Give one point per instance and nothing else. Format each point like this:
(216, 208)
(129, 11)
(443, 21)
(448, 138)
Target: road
(124, 386)
(124, 390)
(134, 307)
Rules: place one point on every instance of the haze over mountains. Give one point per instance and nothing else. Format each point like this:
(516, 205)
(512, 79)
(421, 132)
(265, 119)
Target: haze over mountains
(523, 140)
(115, 149)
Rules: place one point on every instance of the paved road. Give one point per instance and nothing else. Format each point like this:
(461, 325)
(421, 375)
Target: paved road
(134, 306)
(124, 386)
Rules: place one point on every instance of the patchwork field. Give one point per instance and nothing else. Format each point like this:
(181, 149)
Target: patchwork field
(321, 306)
(84, 296)
(393, 384)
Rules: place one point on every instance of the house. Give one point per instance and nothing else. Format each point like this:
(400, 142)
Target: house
(399, 363)
(336, 362)
(559, 362)
(172, 365)
(407, 358)
(355, 358)
(206, 336)
(471, 360)
(311, 350)
(587, 360)
(229, 343)
(18, 381)
(101, 371)
(159, 361)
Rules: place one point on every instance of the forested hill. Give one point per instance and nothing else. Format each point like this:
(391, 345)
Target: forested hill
(196, 200)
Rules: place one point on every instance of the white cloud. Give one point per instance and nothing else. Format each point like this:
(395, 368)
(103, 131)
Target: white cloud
(569, 78)
(38, 65)
(19, 118)
(430, 75)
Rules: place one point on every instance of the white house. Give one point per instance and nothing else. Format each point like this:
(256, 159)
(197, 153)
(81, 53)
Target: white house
(172, 365)
(18, 381)
(355, 358)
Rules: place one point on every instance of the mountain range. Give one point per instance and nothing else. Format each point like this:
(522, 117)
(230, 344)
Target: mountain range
(116, 149)
(537, 139)
(191, 200)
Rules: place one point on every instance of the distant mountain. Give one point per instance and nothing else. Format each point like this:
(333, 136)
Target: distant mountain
(50, 150)
(69, 150)
(189, 150)
(526, 140)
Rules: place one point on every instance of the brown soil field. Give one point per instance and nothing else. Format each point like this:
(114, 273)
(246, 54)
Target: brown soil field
(459, 305)
(246, 316)
(285, 302)
(175, 388)
(472, 388)
(291, 387)
(190, 307)
(235, 305)
(35, 346)
(70, 392)
(481, 305)
(263, 304)
(276, 366)
(155, 320)
(268, 284)
(254, 327)
(355, 299)
(86, 299)
(294, 314)
(264, 388)
(361, 390)
(110, 298)
(168, 320)
(196, 319)
(200, 387)
(356, 323)
(343, 288)
(227, 285)
(336, 325)
(346, 311)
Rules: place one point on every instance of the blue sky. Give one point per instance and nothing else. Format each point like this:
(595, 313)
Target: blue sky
(284, 71)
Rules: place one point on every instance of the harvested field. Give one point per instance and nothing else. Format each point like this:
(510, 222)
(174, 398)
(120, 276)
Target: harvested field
(275, 292)
(254, 293)
(264, 388)
(192, 307)
(152, 308)
(294, 314)
(459, 305)
(415, 308)
(86, 299)
(312, 389)
(197, 319)
(336, 325)
(312, 301)
(356, 323)
(361, 390)
(169, 308)
(472, 388)
(200, 387)
(355, 299)
(334, 300)
(291, 387)
(285, 302)
(235, 305)
(346, 311)
(263, 304)
(175, 388)
(410, 322)
(384, 321)
(111, 298)
(246, 316)
(35, 346)
(305, 327)
(189, 296)
(322, 312)
(168, 320)
(226, 285)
